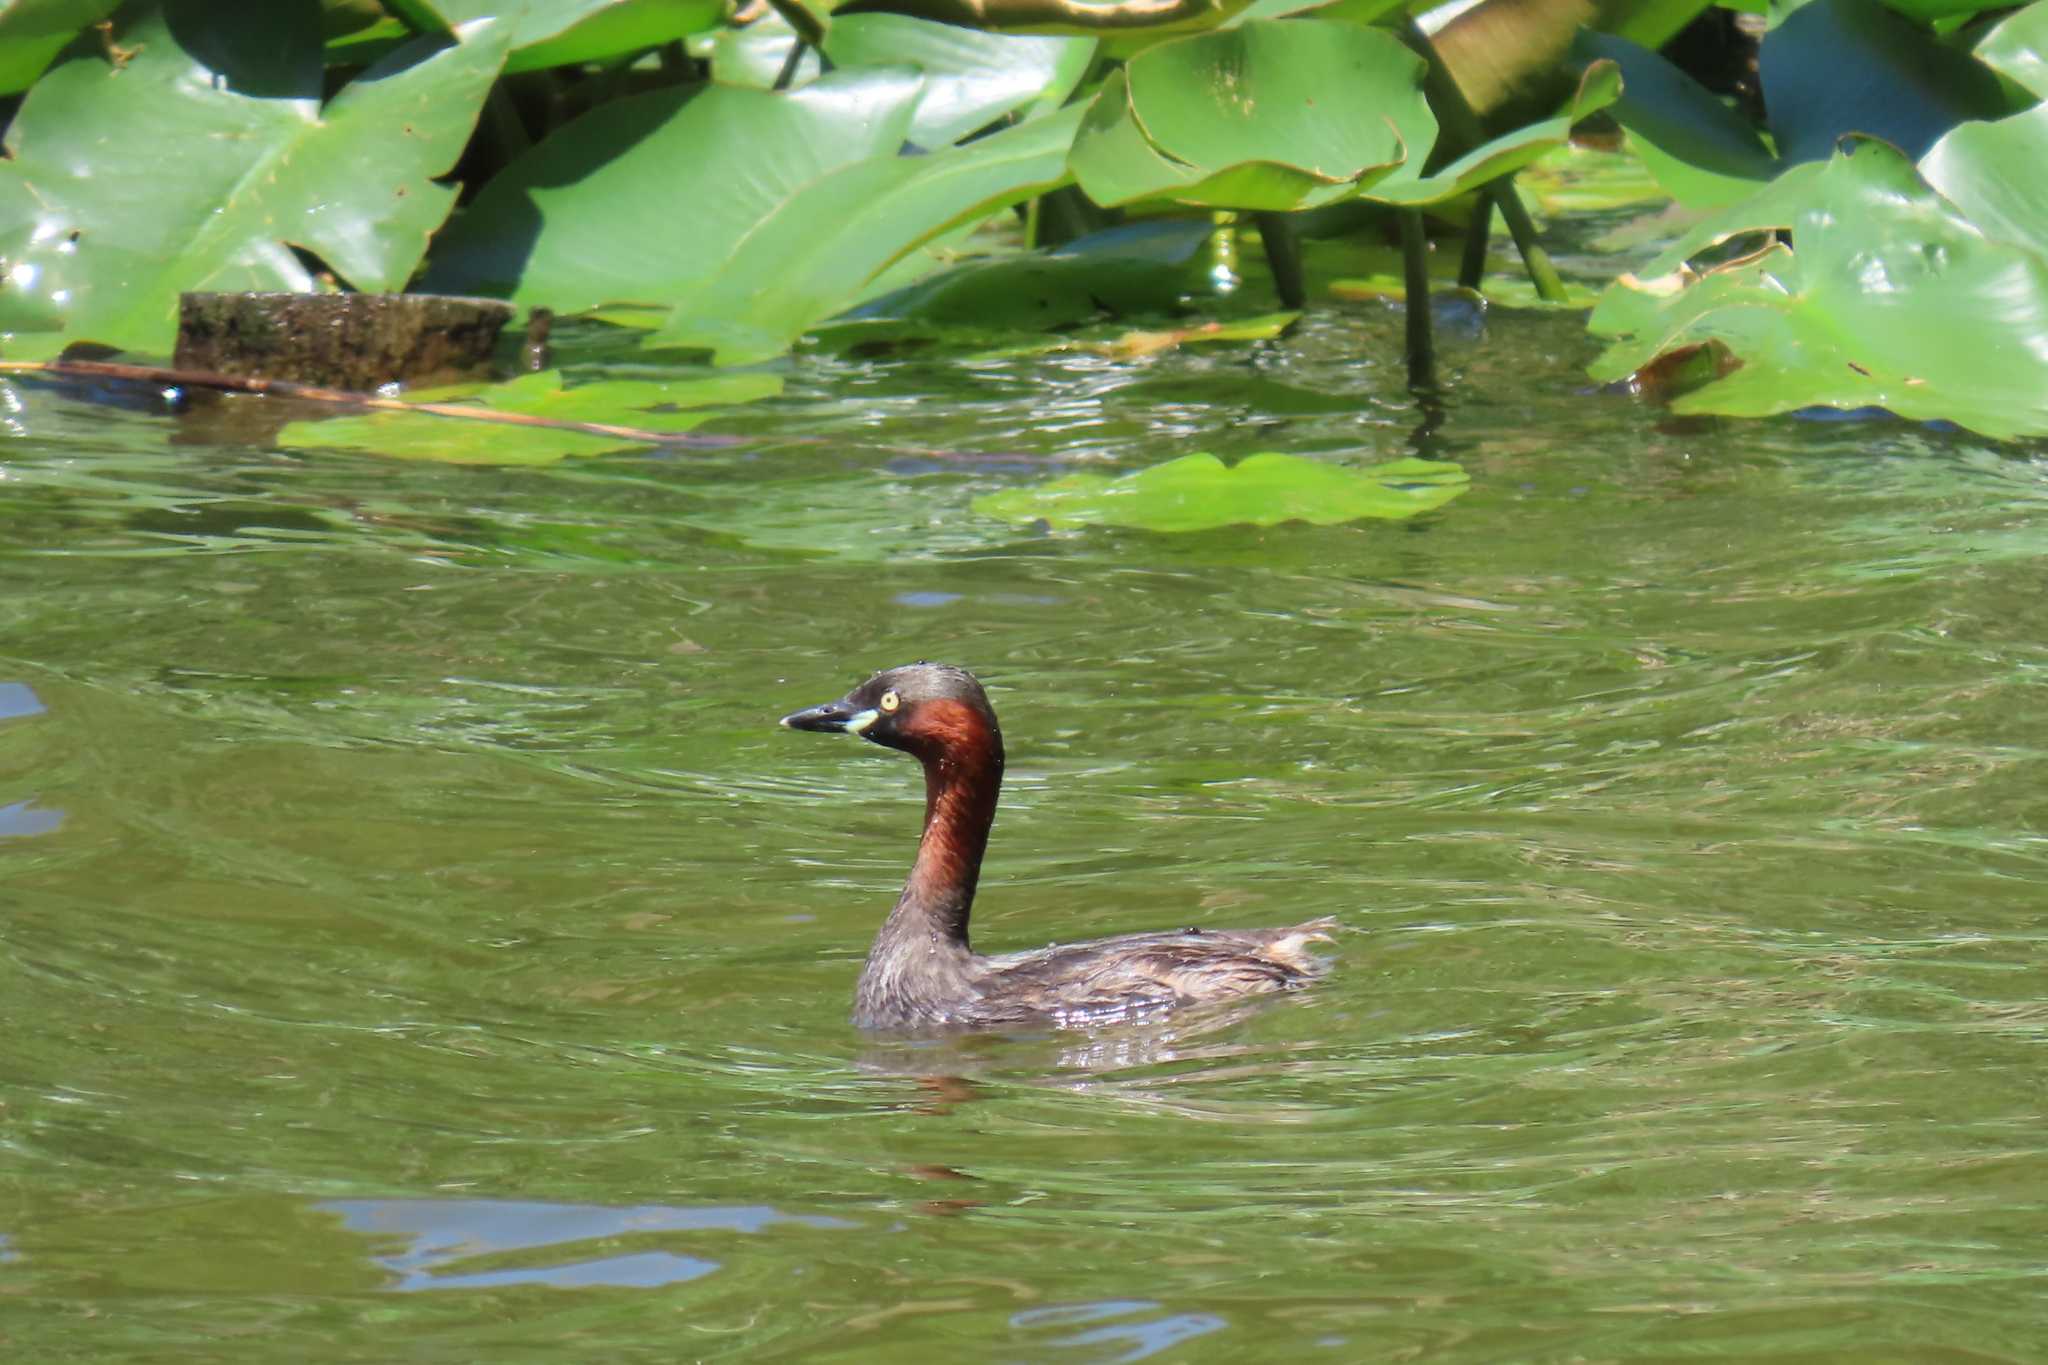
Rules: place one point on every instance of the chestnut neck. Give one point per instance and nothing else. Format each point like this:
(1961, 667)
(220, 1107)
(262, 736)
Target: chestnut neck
(962, 755)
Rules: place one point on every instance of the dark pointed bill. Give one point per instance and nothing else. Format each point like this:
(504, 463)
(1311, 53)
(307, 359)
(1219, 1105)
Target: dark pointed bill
(834, 717)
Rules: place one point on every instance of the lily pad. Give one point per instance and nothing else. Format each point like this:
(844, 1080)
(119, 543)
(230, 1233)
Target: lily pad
(1888, 297)
(750, 214)
(642, 196)
(659, 406)
(1992, 173)
(811, 254)
(1200, 492)
(2018, 49)
(103, 255)
(33, 32)
(1274, 114)
(971, 79)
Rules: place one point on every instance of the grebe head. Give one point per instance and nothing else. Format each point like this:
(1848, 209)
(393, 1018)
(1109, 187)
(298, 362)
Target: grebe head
(919, 708)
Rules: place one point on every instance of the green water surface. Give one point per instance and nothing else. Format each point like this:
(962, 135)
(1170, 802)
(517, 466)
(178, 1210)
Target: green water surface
(418, 943)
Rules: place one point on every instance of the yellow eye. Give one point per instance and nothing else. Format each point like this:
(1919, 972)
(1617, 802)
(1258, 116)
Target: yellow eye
(890, 701)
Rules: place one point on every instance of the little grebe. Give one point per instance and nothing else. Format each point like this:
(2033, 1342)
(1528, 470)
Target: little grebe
(921, 970)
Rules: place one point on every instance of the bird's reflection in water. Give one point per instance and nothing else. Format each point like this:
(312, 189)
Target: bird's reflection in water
(1119, 1059)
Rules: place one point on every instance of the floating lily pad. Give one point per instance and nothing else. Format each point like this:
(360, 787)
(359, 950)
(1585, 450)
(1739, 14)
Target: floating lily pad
(656, 406)
(1200, 492)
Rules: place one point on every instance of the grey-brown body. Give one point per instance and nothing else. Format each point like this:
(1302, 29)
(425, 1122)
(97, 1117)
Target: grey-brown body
(922, 972)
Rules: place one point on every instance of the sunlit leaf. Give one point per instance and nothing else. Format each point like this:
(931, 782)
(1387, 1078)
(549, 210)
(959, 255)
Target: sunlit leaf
(1200, 492)
(2018, 48)
(808, 256)
(33, 32)
(1993, 173)
(750, 214)
(1887, 297)
(971, 79)
(645, 196)
(195, 183)
(1269, 115)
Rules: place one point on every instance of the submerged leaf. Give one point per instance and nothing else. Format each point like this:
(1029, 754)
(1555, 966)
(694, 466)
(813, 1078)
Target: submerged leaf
(1200, 492)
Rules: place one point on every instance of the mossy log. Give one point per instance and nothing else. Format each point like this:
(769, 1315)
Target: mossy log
(342, 341)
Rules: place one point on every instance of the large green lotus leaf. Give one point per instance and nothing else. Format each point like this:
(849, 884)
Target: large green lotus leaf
(1888, 298)
(644, 197)
(805, 257)
(1331, 101)
(1504, 155)
(1113, 161)
(971, 79)
(665, 406)
(1701, 151)
(1200, 492)
(1838, 67)
(33, 32)
(2018, 48)
(199, 167)
(1993, 172)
